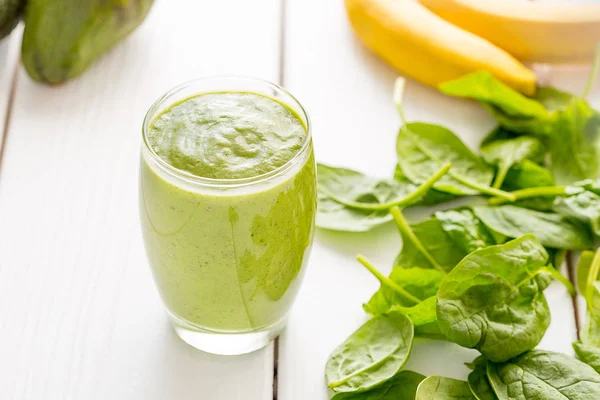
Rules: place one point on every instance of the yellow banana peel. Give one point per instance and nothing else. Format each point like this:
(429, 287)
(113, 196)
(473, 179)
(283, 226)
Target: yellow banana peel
(531, 31)
(425, 47)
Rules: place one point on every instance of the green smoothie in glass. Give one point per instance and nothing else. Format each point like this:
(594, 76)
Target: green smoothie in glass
(227, 200)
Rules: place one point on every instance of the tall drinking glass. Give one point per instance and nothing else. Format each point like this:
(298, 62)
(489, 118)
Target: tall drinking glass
(227, 205)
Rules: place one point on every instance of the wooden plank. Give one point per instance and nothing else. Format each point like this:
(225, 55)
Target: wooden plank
(347, 92)
(9, 56)
(81, 317)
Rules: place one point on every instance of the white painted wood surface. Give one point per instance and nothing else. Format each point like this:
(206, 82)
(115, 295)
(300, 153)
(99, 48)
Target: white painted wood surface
(80, 316)
(347, 91)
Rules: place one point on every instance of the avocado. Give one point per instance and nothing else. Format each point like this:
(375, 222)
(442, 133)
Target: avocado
(10, 13)
(62, 38)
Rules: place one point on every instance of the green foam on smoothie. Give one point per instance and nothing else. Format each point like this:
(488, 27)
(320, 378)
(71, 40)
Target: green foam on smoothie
(227, 135)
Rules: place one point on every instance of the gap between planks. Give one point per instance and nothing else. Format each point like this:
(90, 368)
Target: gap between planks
(572, 273)
(282, 41)
(10, 103)
(281, 82)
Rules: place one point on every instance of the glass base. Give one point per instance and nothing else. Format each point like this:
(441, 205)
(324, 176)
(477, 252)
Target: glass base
(225, 343)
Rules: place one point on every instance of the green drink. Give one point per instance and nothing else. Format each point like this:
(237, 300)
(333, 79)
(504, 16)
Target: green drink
(227, 200)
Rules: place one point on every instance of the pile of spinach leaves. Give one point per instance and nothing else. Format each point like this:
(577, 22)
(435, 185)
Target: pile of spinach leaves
(492, 300)
(475, 275)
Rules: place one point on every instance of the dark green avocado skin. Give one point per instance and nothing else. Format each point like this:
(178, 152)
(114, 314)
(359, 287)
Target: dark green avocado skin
(63, 38)
(10, 14)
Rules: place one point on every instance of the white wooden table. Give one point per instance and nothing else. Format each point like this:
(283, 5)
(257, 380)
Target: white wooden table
(80, 317)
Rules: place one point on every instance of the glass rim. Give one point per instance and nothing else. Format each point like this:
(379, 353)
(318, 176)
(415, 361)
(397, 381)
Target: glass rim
(220, 182)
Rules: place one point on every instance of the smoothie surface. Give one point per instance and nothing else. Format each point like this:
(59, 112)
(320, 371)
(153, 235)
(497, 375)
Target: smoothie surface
(227, 135)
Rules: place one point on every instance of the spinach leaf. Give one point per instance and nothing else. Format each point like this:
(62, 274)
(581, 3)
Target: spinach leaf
(566, 124)
(578, 201)
(590, 333)
(506, 153)
(336, 216)
(493, 302)
(422, 283)
(419, 282)
(466, 230)
(527, 174)
(478, 381)
(583, 206)
(590, 290)
(410, 292)
(591, 185)
(591, 330)
(557, 257)
(523, 178)
(534, 193)
(348, 186)
(588, 354)
(573, 152)
(521, 171)
(424, 148)
(583, 271)
(356, 190)
(532, 185)
(350, 201)
(392, 291)
(402, 386)
(588, 273)
(426, 245)
(544, 375)
(485, 88)
(441, 388)
(551, 229)
(542, 125)
(370, 356)
(500, 133)
(423, 317)
(432, 197)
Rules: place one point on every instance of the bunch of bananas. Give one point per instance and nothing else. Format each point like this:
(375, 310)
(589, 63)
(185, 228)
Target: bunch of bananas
(434, 41)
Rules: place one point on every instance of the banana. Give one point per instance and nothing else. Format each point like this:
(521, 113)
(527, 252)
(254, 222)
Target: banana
(537, 32)
(427, 48)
